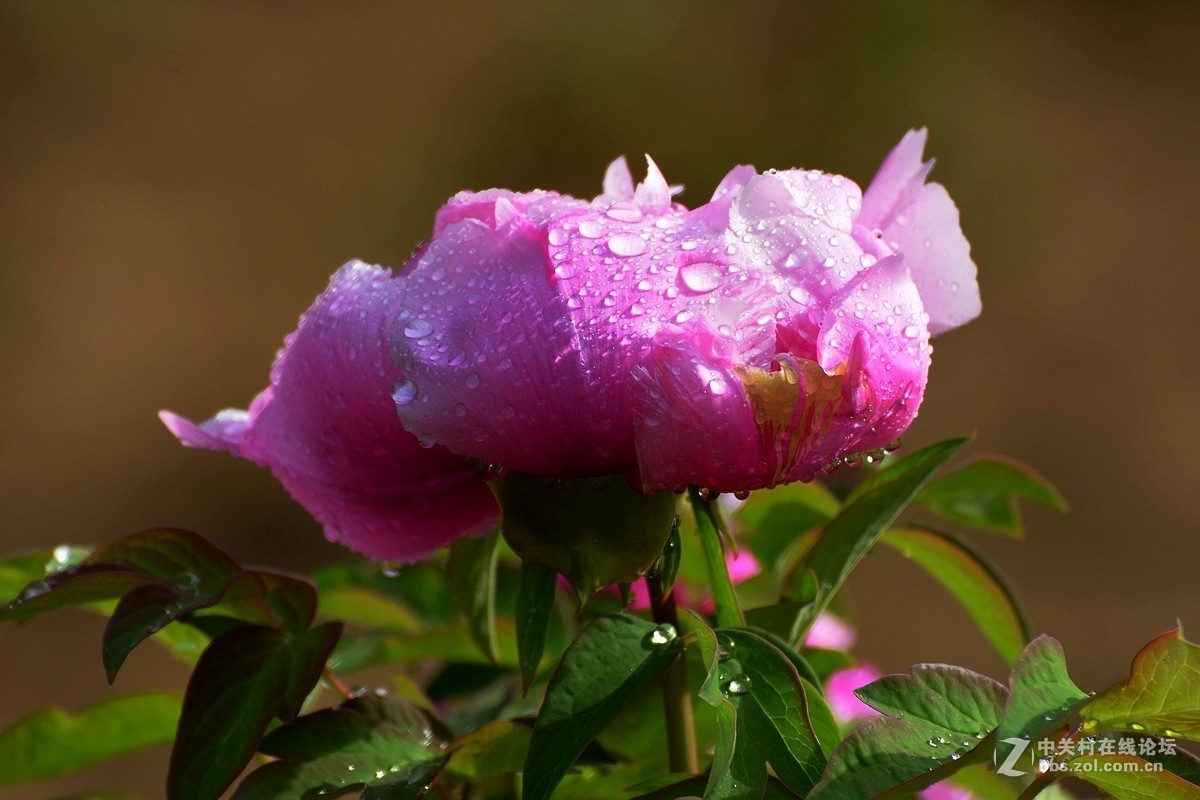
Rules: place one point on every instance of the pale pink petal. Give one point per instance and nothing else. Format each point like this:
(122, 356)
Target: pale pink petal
(743, 566)
(945, 791)
(618, 181)
(897, 182)
(327, 429)
(839, 692)
(653, 195)
(928, 234)
(901, 213)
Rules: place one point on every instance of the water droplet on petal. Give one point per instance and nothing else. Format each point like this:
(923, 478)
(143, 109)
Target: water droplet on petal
(404, 392)
(912, 331)
(591, 229)
(701, 277)
(418, 328)
(626, 244)
(472, 380)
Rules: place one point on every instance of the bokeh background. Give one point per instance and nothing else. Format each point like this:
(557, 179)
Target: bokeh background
(178, 180)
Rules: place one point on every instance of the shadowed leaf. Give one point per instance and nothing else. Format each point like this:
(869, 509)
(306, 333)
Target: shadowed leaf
(984, 494)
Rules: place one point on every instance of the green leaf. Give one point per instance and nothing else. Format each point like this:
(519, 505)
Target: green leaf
(974, 582)
(183, 561)
(596, 531)
(494, 748)
(739, 771)
(141, 612)
(246, 676)
(1041, 695)
(1162, 695)
(952, 698)
(614, 659)
(938, 714)
(869, 509)
(20, 570)
(55, 742)
(260, 597)
(671, 557)
(419, 588)
(984, 494)
(335, 750)
(770, 521)
(535, 603)
(448, 643)
(362, 605)
(793, 710)
(79, 585)
(1131, 778)
(471, 570)
(882, 753)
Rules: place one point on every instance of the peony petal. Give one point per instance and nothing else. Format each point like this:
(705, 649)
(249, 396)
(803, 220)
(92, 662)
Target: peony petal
(900, 213)
(876, 336)
(897, 182)
(653, 195)
(327, 429)
(694, 423)
(618, 181)
(930, 237)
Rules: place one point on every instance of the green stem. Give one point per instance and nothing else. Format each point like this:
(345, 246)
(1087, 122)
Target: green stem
(728, 613)
(676, 691)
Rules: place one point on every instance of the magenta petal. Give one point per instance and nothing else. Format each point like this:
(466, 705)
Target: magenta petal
(945, 791)
(327, 429)
(694, 423)
(876, 334)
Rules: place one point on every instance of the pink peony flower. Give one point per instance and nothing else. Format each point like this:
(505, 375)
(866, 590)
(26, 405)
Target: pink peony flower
(752, 341)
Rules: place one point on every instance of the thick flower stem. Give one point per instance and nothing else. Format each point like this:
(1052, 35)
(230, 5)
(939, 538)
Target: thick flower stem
(677, 693)
(728, 612)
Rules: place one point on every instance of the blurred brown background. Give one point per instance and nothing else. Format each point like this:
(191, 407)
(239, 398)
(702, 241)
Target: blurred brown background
(178, 180)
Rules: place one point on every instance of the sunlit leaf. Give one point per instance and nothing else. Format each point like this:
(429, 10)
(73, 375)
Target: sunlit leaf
(984, 494)
(246, 676)
(770, 521)
(976, 585)
(55, 742)
(1162, 695)
(1128, 777)
(1041, 695)
(870, 508)
(939, 714)
(613, 660)
(339, 749)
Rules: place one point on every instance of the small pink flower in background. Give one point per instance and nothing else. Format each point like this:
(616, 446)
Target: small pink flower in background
(742, 567)
(831, 633)
(751, 341)
(839, 692)
(945, 791)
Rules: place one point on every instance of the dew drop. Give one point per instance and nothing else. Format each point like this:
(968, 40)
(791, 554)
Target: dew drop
(626, 244)
(663, 634)
(701, 277)
(742, 494)
(418, 328)
(739, 684)
(912, 331)
(404, 392)
(472, 380)
(591, 229)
